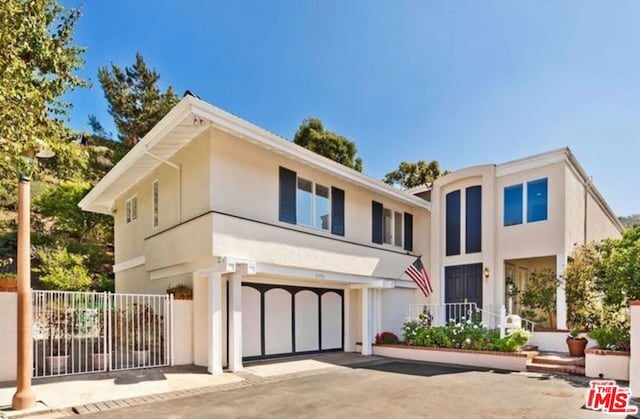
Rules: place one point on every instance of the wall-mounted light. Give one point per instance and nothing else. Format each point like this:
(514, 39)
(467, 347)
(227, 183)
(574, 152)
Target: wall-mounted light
(487, 273)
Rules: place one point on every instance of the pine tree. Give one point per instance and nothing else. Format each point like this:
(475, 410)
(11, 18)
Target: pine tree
(135, 100)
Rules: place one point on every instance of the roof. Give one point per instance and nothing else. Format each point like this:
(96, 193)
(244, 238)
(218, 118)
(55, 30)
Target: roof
(190, 117)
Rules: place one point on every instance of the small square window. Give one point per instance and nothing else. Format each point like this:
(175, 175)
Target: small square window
(537, 200)
(397, 230)
(513, 205)
(131, 209)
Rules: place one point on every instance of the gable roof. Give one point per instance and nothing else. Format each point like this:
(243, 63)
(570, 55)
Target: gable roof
(190, 117)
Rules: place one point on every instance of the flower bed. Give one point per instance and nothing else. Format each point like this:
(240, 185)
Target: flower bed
(603, 363)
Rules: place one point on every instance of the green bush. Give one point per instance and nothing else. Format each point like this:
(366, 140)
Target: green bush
(439, 336)
(62, 270)
(513, 342)
(410, 331)
(614, 339)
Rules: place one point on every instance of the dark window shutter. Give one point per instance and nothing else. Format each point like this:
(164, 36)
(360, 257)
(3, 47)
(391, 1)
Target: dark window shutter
(473, 217)
(287, 196)
(337, 211)
(377, 227)
(408, 232)
(452, 223)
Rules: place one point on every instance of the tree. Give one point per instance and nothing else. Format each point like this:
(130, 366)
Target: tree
(312, 136)
(38, 61)
(135, 100)
(409, 175)
(62, 270)
(60, 203)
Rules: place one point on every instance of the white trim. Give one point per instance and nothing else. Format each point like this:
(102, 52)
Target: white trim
(128, 264)
(300, 273)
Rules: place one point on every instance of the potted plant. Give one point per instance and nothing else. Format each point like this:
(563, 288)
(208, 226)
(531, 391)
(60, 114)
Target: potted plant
(8, 280)
(576, 343)
(143, 317)
(180, 292)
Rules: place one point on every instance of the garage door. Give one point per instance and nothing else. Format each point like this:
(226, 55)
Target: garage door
(280, 320)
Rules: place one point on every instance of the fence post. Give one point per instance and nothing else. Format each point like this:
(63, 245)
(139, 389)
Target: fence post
(170, 337)
(503, 314)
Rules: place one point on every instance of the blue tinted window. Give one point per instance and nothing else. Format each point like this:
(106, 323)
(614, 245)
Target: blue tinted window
(537, 200)
(453, 223)
(513, 205)
(473, 219)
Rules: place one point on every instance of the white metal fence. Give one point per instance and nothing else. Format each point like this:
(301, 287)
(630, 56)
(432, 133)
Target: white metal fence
(83, 332)
(443, 314)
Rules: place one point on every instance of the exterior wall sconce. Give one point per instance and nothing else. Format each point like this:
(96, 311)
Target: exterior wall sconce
(487, 273)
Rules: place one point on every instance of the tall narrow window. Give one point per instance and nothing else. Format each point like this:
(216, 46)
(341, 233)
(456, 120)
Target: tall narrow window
(304, 202)
(397, 229)
(131, 209)
(513, 205)
(388, 226)
(322, 208)
(473, 219)
(452, 223)
(537, 200)
(154, 192)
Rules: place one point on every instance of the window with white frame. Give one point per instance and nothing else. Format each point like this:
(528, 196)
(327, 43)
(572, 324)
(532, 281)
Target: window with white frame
(393, 222)
(313, 204)
(131, 209)
(154, 194)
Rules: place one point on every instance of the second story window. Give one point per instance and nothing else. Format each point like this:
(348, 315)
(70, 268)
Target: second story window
(391, 227)
(532, 197)
(131, 209)
(313, 204)
(156, 213)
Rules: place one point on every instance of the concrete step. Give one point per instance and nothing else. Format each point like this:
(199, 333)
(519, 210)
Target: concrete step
(555, 369)
(558, 359)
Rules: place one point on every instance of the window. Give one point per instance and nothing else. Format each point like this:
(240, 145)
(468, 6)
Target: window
(313, 205)
(536, 203)
(452, 222)
(537, 200)
(473, 219)
(513, 205)
(392, 227)
(154, 193)
(131, 209)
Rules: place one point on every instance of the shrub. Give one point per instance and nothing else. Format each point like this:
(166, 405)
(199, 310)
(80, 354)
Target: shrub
(613, 339)
(410, 331)
(386, 338)
(62, 270)
(439, 337)
(513, 342)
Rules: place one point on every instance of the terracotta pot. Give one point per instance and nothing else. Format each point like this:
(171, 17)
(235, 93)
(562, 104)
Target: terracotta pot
(576, 346)
(101, 360)
(8, 284)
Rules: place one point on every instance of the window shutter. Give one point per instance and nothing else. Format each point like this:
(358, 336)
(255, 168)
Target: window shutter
(377, 222)
(408, 232)
(337, 211)
(287, 196)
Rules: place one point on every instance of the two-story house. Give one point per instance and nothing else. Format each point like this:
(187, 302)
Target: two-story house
(290, 253)
(493, 226)
(287, 252)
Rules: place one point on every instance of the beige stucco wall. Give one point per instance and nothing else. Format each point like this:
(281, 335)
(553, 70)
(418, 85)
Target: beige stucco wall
(599, 225)
(175, 205)
(634, 364)
(8, 335)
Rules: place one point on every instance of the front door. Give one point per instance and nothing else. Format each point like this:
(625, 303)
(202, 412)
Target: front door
(463, 284)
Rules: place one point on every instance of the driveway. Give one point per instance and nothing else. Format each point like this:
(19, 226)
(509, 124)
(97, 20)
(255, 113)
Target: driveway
(384, 389)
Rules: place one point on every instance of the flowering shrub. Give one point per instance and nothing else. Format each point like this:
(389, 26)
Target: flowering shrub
(467, 334)
(386, 338)
(613, 339)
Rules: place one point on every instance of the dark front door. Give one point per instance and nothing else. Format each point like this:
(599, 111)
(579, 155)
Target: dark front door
(463, 284)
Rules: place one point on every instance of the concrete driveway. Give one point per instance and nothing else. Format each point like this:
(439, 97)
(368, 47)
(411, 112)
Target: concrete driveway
(384, 389)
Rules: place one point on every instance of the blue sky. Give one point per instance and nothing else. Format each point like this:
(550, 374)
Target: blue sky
(462, 82)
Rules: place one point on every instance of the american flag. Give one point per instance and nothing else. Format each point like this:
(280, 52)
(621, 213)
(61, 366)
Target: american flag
(419, 275)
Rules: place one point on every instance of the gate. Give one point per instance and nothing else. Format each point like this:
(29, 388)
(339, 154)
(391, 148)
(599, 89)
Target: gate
(84, 332)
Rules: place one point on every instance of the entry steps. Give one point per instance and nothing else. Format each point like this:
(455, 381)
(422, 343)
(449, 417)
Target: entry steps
(556, 363)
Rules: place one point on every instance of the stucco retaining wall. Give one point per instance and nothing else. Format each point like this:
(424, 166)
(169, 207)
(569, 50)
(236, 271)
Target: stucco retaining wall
(601, 363)
(555, 340)
(486, 359)
(8, 335)
(634, 362)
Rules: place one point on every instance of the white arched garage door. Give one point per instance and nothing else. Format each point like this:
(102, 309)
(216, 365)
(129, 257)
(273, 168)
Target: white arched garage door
(280, 320)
